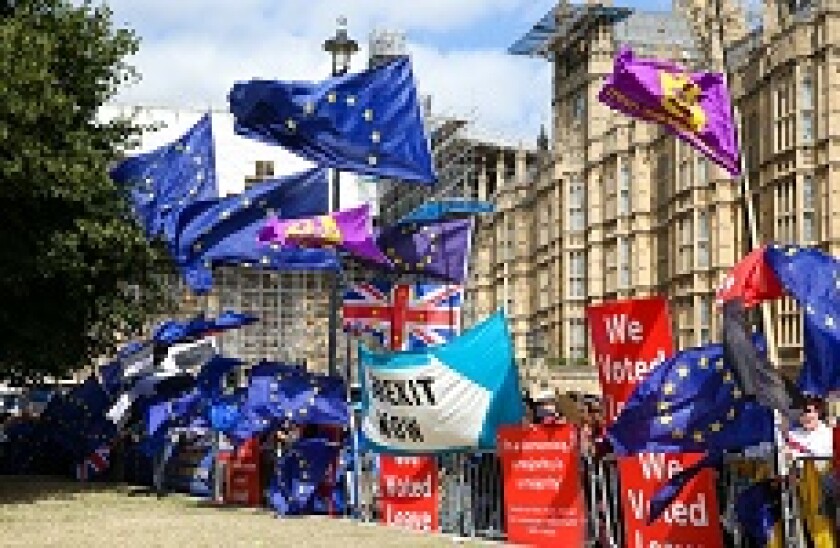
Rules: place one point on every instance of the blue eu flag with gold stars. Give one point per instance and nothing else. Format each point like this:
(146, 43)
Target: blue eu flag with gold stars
(813, 278)
(286, 393)
(690, 403)
(438, 250)
(162, 182)
(368, 123)
(225, 231)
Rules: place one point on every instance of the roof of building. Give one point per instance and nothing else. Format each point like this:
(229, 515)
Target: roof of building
(537, 41)
(633, 27)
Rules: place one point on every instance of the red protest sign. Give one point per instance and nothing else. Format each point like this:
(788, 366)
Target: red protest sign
(543, 495)
(691, 520)
(629, 339)
(409, 488)
(243, 474)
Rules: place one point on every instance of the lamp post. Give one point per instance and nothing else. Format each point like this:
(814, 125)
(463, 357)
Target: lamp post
(341, 48)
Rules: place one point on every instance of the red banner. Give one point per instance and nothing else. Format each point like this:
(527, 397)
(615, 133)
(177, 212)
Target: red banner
(691, 520)
(242, 485)
(543, 496)
(409, 489)
(629, 339)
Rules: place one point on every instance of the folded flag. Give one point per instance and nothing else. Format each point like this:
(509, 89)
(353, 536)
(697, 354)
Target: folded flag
(162, 182)
(187, 356)
(161, 385)
(300, 471)
(690, 403)
(224, 412)
(209, 378)
(95, 464)
(368, 123)
(175, 331)
(759, 509)
(754, 373)
(137, 359)
(693, 106)
(350, 230)
(111, 376)
(225, 231)
(438, 250)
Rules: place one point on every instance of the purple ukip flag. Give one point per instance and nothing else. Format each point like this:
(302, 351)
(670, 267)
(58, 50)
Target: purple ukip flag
(349, 229)
(693, 106)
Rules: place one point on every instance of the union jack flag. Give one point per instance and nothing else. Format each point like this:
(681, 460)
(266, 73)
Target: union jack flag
(404, 316)
(95, 464)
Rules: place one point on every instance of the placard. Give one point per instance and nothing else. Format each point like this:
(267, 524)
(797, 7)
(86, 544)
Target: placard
(543, 497)
(243, 475)
(409, 492)
(691, 520)
(629, 339)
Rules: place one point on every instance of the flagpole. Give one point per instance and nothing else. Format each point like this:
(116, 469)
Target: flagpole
(340, 47)
(779, 460)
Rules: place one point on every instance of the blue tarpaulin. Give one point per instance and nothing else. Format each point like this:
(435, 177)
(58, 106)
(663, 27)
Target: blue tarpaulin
(441, 210)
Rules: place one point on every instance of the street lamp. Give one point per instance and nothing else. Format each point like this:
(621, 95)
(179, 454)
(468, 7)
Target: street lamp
(341, 48)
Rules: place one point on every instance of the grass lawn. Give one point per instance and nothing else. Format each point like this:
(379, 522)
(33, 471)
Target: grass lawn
(37, 511)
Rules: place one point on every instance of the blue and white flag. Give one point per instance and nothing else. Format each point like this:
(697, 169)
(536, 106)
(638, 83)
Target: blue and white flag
(447, 398)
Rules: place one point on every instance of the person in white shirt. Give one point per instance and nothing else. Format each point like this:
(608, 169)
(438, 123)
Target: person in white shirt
(813, 438)
(813, 444)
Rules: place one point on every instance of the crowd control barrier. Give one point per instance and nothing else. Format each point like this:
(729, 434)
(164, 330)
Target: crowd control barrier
(470, 501)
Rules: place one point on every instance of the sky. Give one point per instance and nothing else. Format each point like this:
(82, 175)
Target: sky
(192, 51)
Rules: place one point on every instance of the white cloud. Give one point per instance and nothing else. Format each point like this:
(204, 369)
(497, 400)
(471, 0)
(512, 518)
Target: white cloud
(192, 52)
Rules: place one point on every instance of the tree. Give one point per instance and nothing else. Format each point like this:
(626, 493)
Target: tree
(74, 267)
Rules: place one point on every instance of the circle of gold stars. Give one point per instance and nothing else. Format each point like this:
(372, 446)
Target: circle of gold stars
(669, 389)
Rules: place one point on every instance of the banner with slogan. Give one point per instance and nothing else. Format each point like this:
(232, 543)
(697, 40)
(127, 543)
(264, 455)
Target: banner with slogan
(691, 520)
(450, 397)
(409, 492)
(542, 489)
(629, 339)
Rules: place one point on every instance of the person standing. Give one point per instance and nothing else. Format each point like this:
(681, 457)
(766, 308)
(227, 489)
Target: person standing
(812, 443)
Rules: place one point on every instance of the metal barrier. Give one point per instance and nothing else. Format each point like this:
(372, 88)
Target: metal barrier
(471, 501)
(739, 472)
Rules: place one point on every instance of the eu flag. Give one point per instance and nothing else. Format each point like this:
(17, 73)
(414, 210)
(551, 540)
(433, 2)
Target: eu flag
(171, 332)
(294, 490)
(690, 403)
(813, 279)
(758, 509)
(162, 182)
(285, 393)
(225, 231)
(437, 250)
(368, 123)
